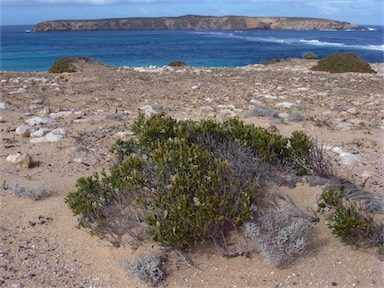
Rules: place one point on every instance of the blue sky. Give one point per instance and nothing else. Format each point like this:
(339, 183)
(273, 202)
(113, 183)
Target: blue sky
(14, 12)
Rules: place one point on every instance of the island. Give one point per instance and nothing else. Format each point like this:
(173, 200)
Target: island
(194, 22)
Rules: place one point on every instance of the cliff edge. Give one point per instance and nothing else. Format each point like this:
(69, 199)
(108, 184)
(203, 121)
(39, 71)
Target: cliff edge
(194, 23)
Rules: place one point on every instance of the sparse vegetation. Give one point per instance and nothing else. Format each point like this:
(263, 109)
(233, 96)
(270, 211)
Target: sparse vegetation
(277, 234)
(65, 64)
(350, 221)
(148, 269)
(341, 63)
(26, 192)
(310, 56)
(184, 182)
(272, 61)
(177, 64)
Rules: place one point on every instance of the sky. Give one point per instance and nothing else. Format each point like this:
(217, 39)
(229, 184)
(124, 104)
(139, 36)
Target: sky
(17, 12)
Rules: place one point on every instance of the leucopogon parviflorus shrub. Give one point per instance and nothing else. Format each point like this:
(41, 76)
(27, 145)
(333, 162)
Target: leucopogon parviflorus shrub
(185, 182)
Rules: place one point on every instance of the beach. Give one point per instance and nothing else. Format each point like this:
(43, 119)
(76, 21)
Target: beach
(70, 120)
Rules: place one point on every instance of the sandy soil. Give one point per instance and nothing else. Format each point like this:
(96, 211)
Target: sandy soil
(40, 245)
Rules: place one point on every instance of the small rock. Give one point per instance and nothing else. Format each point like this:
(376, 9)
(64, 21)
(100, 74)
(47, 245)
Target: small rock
(207, 109)
(21, 160)
(286, 105)
(81, 160)
(18, 91)
(45, 112)
(124, 134)
(23, 130)
(344, 126)
(2, 120)
(39, 120)
(348, 158)
(4, 106)
(353, 111)
(41, 132)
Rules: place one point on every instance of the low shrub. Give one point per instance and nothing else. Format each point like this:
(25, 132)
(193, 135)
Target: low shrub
(183, 182)
(271, 61)
(25, 192)
(177, 64)
(310, 56)
(148, 269)
(65, 64)
(351, 222)
(277, 233)
(341, 63)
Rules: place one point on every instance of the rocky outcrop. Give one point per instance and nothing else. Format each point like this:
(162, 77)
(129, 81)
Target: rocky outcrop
(194, 22)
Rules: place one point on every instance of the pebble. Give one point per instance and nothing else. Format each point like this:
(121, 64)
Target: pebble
(353, 111)
(21, 160)
(23, 130)
(4, 106)
(124, 134)
(39, 120)
(41, 132)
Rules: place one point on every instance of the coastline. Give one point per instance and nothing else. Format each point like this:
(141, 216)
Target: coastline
(98, 104)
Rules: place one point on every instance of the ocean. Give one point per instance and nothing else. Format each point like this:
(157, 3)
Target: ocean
(21, 51)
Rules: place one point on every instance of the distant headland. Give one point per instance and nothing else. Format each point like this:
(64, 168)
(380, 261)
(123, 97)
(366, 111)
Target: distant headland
(194, 22)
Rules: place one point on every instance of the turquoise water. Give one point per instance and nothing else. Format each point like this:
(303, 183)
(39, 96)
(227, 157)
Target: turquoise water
(21, 51)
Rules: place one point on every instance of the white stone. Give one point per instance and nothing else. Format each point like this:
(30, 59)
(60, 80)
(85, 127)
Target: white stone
(207, 109)
(286, 104)
(148, 110)
(39, 120)
(61, 114)
(51, 137)
(124, 134)
(268, 96)
(2, 120)
(18, 91)
(344, 126)
(230, 107)
(80, 160)
(353, 111)
(348, 158)
(337, 150)
(4, 105)
(23, 130)
(21, 160)
(40, 133)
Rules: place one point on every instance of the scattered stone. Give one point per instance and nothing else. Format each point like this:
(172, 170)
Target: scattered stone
(81, 160)
(18, 91)
(295, 117)
(286, 104)
(150, 110)
(39, 120)
(344, 126)
(2, 120)
(207, 109)
(4, 106)
(60, 114)
(260, 112)
(124, 134)
(41, 132)
(45, 112)
(23, 130)
(21, 160)
(353, 111)
(55, 135)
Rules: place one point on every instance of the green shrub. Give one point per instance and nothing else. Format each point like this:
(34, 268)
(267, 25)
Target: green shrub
(341, 63)
(354, 224)
(187, 180)
(310, 56)
(65, 64)
(271, 61)
(177, 64)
